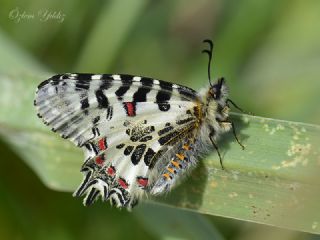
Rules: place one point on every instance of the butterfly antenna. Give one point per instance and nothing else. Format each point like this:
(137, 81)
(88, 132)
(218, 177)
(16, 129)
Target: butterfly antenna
(209, 52)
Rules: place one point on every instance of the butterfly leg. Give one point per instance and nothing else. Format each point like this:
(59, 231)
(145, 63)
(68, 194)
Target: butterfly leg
(235, 135)
(216, 147)
(236, 106)
(228, 121)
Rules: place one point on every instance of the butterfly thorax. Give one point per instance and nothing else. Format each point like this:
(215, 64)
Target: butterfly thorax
(215, 109)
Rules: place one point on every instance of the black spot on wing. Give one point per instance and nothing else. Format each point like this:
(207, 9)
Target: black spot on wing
(81, 85)
(106, 76)
(134, 138)
(148, 156)
(163, 96)
(83, 185)
(64, 76)
(84, 76)
(141, 94)
(88, 146)
(141, 134)
(96, 120)
(126, 78)
(167, 138)
(46, 82)
(84, 103)
(150, 129)
(105, 84)
(186, 120)
(93, 194)
(95, 131)
(187, 93)
(166, 85)
(128, 150)
(164, 106)
(83, 81)
(128, 131)
(94, 148)
(138, 153)
(121, 91)
(147, 82)
(126, 81)
(120, 146)
(102, 99)
(165, 130)
(145, 139)
(55, 77)
(109, 113)
(159, 153)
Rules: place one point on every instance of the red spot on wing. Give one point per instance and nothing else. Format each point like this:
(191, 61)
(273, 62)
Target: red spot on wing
(111, 171)
(102, 144)
(123, 183)
(143, 182)
(99, 160)
(130, 108)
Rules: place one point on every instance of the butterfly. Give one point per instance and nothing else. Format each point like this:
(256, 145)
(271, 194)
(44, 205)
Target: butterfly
(139, 135)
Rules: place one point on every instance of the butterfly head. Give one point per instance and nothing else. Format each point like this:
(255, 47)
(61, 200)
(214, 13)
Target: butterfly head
(219, 91)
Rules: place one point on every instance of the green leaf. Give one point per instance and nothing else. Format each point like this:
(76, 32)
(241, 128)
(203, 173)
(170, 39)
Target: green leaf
(273, 181)
(173, 223)
(94, 58)
(14, 59)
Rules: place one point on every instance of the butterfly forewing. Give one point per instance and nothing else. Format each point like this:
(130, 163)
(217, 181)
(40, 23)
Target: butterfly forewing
(72, 103)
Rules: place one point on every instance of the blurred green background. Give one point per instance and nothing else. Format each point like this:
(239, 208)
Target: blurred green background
(268, 51)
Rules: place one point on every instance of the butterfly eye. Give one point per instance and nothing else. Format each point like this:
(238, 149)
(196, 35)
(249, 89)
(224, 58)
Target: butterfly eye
(212, 93)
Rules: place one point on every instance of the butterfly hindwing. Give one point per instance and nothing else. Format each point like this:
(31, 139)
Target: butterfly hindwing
(132, 153)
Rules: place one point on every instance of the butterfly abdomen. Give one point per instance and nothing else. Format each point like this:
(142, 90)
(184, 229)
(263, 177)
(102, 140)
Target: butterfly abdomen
(183, 159)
